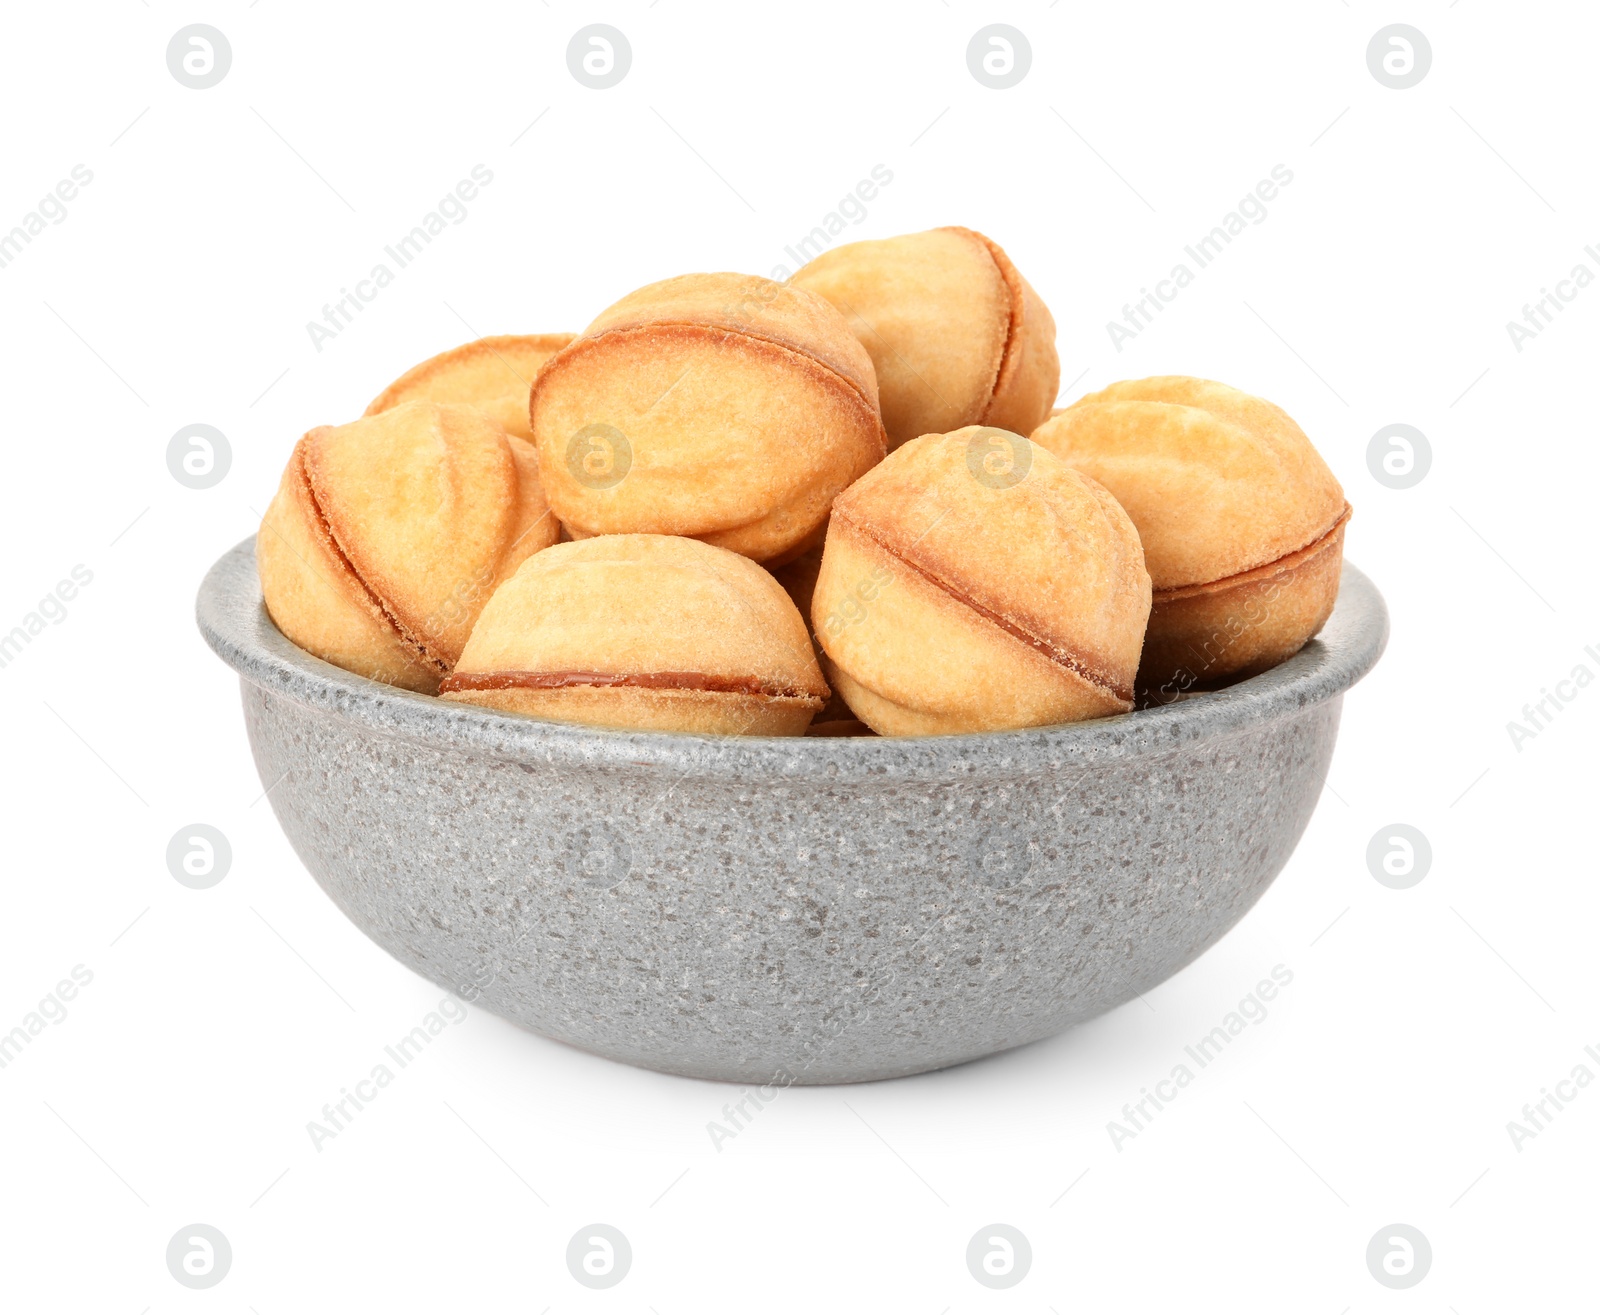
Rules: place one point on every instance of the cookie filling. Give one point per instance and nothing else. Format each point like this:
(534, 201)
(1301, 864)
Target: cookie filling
(462, 681)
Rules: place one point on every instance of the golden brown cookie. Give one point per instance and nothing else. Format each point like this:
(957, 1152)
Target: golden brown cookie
(648, 632)
(976, 582)
(388, 535)
(721, 407)
(956, 334)
(1242, 521)
(493, 374)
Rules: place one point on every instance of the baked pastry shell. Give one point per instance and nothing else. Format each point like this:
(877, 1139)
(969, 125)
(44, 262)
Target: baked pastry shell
(315, 597)
(952, 600)
(1219, 482)
(733, 411)
(957, 335)
(494, 374)
(913, 659)
(1204, 636)
(388, 535)
(646, 631)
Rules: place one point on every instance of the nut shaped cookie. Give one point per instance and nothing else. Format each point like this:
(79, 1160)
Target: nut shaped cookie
(720, 407)
(1242, 522)
(957, 336)
(976, 582)
(493, 374)
(389, 534)
(646, 632)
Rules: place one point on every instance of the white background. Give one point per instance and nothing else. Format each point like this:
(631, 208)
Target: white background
(177, 290)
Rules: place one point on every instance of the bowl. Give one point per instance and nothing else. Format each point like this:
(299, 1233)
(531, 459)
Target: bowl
(788, 910)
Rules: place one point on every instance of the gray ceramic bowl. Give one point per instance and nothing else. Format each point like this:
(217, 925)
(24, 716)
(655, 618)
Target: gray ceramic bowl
(789, 910)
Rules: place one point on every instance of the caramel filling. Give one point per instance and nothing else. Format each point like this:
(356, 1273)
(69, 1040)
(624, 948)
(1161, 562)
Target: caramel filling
(1288, 562)
(1062, 657)
(460, 681)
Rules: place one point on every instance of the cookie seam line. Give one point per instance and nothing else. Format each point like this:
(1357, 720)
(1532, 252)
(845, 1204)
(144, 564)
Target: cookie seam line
(1015, 308)
(1277, 566)
(429, 659)
(685, 681)
(1061, 657)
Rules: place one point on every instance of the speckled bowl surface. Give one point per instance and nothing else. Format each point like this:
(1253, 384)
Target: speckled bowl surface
(790, 910)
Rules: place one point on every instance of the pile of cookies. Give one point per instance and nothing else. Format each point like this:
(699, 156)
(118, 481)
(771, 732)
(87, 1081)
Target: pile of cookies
(837, 505)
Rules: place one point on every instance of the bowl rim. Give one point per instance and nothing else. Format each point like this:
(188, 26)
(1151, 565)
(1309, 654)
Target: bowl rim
(233, 619)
